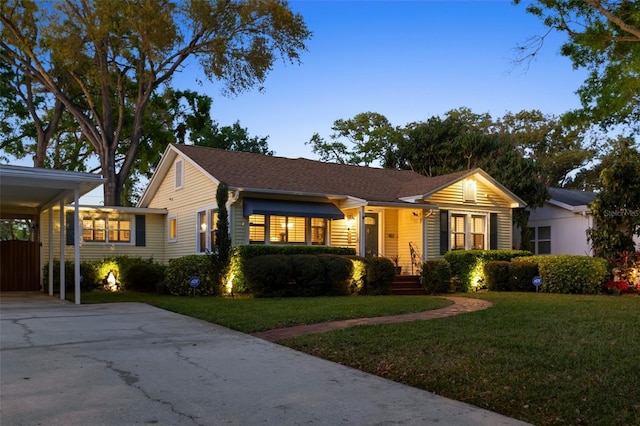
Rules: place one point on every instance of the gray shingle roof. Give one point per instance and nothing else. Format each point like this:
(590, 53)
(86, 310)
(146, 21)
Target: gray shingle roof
(242, 170)
(572, 197)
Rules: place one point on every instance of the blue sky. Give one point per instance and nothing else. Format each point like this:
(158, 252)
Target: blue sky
(407, 60)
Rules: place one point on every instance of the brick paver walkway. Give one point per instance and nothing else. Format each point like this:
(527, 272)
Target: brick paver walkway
(460, 305)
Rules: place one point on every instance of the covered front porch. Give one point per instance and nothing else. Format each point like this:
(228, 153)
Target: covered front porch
(399, 233)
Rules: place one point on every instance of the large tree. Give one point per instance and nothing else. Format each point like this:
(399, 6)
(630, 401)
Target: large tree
(115, 55)
(366, 138)
(26, 112)
(560, 149)
(604, 38)
(616, 209)
(232, 138)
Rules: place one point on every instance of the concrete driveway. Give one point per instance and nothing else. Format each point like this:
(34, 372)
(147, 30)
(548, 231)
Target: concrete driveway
(133, 364)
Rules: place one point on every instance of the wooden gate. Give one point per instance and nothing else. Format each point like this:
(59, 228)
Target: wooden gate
(19, 265)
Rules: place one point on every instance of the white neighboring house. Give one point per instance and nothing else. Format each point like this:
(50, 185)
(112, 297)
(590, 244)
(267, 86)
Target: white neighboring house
(560, 226)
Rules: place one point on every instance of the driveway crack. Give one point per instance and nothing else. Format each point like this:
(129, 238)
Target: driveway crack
(131, 379)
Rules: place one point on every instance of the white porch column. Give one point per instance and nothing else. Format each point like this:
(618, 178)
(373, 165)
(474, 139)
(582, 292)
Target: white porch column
(62, 243)
(51, 251)
(76, 246)
(362, 243)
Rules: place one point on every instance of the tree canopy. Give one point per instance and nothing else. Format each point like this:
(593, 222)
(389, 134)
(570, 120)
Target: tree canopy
(616, 209)
(103, 61)
(604, 39)
(364, 139)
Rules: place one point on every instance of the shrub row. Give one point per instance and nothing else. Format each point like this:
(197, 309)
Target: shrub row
(241, 254)
(297, 275)
(130, 273)
(570, 274)
(516, 275)
(303, 275)
(467, 266)
(514, 270)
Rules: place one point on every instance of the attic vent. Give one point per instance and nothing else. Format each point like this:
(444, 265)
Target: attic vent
(179, 174)
(469, 191)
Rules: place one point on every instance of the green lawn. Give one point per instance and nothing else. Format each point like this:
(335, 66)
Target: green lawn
(542, 358)
(251, 315)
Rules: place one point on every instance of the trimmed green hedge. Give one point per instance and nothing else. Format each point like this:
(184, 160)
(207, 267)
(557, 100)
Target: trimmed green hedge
(521, 274)
(571, 274)
(241, 254)
(130, 273)
(436, 276)
(181, 270)
(302, 275)
(496, 274)
(467, 266)
(379, 276)
(298, 275)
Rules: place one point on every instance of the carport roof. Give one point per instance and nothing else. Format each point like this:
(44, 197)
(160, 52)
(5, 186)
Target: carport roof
(28, 190)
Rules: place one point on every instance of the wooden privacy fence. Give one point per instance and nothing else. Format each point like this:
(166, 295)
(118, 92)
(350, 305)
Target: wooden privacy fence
(19, 265)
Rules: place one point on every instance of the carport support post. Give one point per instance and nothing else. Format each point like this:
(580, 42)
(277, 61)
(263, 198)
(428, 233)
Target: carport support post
(76, 245)
(62, 243)
(51, 251)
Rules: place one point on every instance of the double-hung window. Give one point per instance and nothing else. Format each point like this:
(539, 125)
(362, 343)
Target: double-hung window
(267, 229)
(468, 231)
(458, 231)
(540, 239)
(105, 229)
(207, 222)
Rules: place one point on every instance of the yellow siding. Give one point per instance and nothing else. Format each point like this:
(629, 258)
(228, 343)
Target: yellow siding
(239, 226)
(339, 235)
(198, 192)
(410, 231)
(489, 200)
(390, 238)
(487, 197)
(154, 248)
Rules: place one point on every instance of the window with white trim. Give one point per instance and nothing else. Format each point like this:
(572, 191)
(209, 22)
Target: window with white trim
(172, 227)
(105, 229)
(540, 239)
(265, 229)
(468, 231)
(179, 174)
(207, 222)
(458, 232)
(257, 229)
(478, 232)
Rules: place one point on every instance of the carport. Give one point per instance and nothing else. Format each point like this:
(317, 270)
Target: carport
(26, 192)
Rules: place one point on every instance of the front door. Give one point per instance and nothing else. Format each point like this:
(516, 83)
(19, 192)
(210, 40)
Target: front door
(371, 234)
